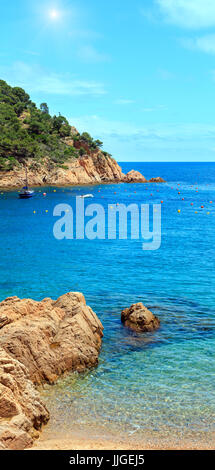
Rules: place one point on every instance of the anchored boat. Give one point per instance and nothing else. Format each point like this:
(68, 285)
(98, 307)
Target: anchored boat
(26, 193)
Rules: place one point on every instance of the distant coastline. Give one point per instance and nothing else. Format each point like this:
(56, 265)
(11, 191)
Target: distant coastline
(54, 152)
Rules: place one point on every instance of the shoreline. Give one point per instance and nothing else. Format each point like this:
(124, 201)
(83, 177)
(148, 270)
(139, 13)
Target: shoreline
(83, 172)
(75, 185)
(97, 443)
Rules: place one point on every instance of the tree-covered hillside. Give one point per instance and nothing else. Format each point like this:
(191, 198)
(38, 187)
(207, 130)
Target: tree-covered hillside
(29, 132)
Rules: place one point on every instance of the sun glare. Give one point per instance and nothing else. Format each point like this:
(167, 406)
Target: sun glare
(54, 14)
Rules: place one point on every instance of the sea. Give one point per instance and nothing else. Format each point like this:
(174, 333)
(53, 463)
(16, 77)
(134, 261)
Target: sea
(159, 384)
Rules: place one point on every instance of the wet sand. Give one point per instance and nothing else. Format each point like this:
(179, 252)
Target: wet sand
(84, 443)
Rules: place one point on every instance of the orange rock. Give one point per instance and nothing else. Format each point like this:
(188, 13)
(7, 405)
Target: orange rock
(39, 341)
(134, 177)
(139, 318)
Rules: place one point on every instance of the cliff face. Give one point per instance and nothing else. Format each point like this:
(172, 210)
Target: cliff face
(88, 169)
(40, 341)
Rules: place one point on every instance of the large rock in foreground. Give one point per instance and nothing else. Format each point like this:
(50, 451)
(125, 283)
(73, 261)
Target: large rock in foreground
(39, 341)
(139, 318)
(21, 409)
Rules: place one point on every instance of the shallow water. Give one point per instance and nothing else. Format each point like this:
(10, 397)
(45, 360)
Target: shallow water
(161, 382)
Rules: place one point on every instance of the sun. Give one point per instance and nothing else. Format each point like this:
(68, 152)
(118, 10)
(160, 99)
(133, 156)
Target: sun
(54, 14)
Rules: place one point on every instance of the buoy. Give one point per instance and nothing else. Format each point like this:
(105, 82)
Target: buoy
(182, 198)
(161, 202)
(191, 203)
(34, 212)
(210, 201)
(202, 207)
(208, 213)
(44, 194)
(46, 211)
(151, 194)
(54, 191)
(179, 210)
(196, 212)
(179, 192)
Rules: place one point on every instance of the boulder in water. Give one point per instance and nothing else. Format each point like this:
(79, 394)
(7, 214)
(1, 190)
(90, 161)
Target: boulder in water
(139, 318)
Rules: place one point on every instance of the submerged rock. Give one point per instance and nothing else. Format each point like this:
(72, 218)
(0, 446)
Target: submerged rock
(39, 341)
(139, 318)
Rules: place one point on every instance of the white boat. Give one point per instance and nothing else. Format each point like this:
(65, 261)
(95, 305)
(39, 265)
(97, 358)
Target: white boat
(86, 195)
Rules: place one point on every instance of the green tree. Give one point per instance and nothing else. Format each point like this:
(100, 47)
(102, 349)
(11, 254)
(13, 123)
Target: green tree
(82, 151)
(98, 143)
(44, 108)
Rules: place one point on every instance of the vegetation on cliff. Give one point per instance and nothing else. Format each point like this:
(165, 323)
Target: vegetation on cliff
(27, 131)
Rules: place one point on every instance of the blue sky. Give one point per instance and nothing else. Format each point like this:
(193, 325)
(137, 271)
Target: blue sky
(138, 75)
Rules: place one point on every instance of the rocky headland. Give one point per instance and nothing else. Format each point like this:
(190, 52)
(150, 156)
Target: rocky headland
(40, 341)
(53, 151)
(89, 169)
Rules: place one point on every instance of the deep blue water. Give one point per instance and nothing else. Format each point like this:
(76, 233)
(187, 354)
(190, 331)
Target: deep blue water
(161, 382)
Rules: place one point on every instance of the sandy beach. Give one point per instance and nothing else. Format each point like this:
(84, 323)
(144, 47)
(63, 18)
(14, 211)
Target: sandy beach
(106, 444)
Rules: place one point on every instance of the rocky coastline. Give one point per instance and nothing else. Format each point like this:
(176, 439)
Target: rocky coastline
(39, 342)
(87, 170)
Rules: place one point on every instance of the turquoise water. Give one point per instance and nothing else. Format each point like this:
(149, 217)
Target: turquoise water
(160, 383)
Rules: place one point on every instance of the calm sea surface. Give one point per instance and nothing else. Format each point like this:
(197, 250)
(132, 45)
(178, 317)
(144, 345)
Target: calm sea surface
(160, 383)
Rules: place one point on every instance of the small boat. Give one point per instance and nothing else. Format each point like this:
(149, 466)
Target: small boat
(86, 195)
(26, 193)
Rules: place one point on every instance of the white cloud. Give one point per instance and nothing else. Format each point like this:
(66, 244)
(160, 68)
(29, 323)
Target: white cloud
(179, 132)
(84, 34)
(33, 53)
(90, 54)
(34, 78)
(159, 107)
(165, 74)
(205, 43)
(127, 141)
(124, 101)
(193, 14)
